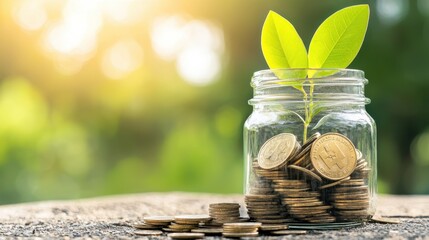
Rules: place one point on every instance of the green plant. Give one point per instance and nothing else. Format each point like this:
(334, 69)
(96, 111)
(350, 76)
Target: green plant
(335, 44)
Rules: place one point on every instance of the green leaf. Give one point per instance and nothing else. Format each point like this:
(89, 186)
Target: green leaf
(339, 38)
(281, 44)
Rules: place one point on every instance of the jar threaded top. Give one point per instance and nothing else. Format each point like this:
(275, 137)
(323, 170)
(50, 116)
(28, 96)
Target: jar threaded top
(323, 85)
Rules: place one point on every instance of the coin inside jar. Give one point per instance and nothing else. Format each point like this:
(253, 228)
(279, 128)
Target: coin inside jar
(333, 156)
(276, 151)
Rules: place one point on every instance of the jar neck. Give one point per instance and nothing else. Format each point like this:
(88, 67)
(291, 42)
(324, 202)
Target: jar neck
(330, 87)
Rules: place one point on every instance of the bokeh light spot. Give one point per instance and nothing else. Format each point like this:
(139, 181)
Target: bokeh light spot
(126, 11)
(420, 148)
(198, 65)
(168, 37)
(196, 45)
(122, 58)
(392, 11)
(423, 6)
(30, 15)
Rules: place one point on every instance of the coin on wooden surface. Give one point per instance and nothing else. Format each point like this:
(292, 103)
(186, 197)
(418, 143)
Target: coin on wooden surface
(275, 152)
(333, 156)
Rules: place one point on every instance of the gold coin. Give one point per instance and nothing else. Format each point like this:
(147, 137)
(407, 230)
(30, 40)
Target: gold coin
(276, 151)
(158, 219)
(186, 235)
(333, 156)
(273, 227)
(148, 232)
(306, 171)
(208, 230)
(334, 183)
(243, 225)
(224, 205)
(289, 232)
(352, 212)
(276, 221)
(380, 219)
(175, 230)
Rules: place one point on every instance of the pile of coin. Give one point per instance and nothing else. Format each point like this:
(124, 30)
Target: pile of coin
(266, 208)
(303, 203)
(155, 222)
(351, 200)
(224, 213)
(185, 223)
(247, 229)
(311, 181)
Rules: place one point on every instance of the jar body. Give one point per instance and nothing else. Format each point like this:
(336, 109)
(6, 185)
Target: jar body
(321, 116)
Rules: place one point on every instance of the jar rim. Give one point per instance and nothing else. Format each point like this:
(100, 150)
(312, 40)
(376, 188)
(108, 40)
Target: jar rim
(355, 72)
(274, 85)
(286, 75)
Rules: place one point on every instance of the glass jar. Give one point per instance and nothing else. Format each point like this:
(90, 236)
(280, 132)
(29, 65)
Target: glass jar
(310, 147)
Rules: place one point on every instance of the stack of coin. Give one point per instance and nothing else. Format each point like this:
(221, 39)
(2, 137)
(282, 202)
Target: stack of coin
(185, 223)
(155, 222)
(265, 208)
(351, 200)
(249, 229)
(301, 202)
(267, 176)
(362, 169)
(302, 158)
(224, 212)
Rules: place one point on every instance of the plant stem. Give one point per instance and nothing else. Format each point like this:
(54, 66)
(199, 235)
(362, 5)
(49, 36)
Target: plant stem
(308, 105)
(307, 115)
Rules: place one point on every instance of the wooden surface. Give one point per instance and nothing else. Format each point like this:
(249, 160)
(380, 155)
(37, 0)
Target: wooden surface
(114, 216)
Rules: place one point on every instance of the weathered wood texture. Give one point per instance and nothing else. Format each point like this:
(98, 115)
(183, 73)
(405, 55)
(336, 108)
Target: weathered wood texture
(113, 217)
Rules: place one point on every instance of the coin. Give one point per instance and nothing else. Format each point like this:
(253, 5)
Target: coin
(276, 151)
(334, 183)
(186, 235)
(380, 219)
(147, 226)
(333, 156)
(148, 232)
(224, 205)
(311, 139)
(190, 219)
(276, 221)
(289, 232)
(175, 230)
(306, 171)
(208, 230)
(238, 235)
(158, 220)
(273, 227)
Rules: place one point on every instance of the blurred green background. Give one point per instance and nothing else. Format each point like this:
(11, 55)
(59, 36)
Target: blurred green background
(121, 96)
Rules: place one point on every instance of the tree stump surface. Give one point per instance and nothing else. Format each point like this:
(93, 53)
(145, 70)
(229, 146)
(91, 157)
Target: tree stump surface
(113, 217)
